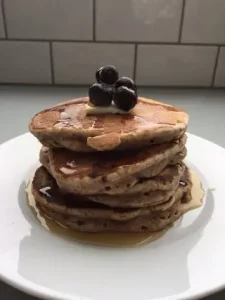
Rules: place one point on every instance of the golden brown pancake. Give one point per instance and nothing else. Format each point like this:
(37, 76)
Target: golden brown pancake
(81, 214)
(157, 199)
(68, 126)
(111, 172)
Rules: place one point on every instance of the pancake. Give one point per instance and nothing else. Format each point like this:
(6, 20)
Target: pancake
(157, 198)
(67, 125)
(168, 179)
(109, 172)
(128, 199)
(153, 170)
(82, 214)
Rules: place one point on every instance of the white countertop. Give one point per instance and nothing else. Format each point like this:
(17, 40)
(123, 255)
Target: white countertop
(18, 104)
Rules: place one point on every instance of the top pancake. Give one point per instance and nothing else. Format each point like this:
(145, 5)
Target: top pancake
(68, 126)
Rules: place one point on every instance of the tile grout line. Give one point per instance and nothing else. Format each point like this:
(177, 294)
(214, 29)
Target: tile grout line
(94, 20)
(181, 21)
(135, 62)
(51, 63)
(114, 42)
(215, 67)
(4, 19)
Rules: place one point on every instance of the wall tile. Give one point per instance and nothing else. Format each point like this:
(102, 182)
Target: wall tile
(76, 63)
(220, 72)
(204, 21)
(175, 65)
(24, 62)
(49, 19)
(2, 32)
(138, 20)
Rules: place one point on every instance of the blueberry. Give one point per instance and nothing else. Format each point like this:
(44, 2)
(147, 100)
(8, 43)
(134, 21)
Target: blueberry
(100, 94)
(126, 81)
(107, 74)
(125, 98)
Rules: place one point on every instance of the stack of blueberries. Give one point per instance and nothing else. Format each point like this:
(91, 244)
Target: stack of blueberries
(109, 87)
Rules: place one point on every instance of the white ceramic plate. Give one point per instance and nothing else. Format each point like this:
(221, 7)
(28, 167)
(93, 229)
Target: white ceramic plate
(186, 263)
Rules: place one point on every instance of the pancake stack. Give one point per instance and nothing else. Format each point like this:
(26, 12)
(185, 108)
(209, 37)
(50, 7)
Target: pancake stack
(104, 169)
(112, 172)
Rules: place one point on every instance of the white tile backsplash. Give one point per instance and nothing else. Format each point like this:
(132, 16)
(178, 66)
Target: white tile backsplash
(159, 42)
(49, 19)
(204, 21)
(138, 20)
(175, 65)
(24, 62)
(220, 73)
(76, 63)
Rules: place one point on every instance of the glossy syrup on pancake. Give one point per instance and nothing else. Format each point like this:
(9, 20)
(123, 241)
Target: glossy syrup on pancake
(69, 126)
(113, 239)
(144, 114)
